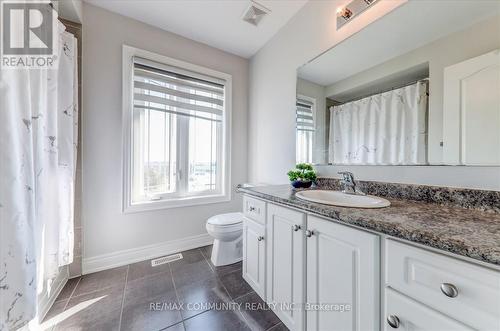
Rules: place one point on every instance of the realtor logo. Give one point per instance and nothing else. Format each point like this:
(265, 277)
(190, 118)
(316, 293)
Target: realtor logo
(27, 37)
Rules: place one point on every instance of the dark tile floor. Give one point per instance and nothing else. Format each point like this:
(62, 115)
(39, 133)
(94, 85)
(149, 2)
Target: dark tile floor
(188, 294)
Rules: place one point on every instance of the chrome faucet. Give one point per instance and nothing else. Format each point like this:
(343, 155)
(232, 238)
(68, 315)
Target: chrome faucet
(349, 184)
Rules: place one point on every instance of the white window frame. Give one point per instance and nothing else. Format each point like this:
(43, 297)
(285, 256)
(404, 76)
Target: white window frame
(313, 139)
(224, 195)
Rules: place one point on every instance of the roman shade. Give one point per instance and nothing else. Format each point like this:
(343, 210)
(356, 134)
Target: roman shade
(173, 90)
(305, 130)
(305, 119)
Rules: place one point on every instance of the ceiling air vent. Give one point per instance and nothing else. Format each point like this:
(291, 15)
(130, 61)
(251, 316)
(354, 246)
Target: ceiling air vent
(254, 13)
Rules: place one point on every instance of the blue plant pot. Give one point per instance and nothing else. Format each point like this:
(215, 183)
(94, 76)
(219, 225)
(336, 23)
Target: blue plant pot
(301, 184)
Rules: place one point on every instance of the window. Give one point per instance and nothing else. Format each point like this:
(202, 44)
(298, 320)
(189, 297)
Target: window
(305, 129)
(177, 132)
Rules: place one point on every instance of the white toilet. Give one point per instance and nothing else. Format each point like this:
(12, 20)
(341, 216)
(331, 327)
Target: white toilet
(227, 231)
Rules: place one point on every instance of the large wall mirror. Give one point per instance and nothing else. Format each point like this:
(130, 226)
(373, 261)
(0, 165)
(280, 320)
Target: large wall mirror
(419, 86)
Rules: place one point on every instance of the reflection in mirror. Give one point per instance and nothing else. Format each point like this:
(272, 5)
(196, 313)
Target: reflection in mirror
(419, 86)
(306, 109)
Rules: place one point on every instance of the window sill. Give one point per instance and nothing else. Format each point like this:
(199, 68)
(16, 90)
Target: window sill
(175, 203)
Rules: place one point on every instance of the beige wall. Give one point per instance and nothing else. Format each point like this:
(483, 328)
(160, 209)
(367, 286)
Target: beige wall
(106, 230)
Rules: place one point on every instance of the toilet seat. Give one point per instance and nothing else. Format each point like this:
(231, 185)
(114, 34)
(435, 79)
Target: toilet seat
(224, 228)
(225, 220)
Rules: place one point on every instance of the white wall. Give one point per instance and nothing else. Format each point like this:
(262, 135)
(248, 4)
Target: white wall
(272, 94)
(107, 231)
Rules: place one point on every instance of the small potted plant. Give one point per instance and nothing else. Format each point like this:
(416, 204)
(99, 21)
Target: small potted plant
(302, 176)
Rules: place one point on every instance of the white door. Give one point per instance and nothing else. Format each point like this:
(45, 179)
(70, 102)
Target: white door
(405, 314)
(254, 256)
(342, 277)
(286, 264)
(471, 110)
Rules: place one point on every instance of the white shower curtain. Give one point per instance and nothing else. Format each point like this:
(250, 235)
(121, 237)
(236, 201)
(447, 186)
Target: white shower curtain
(384, 129)
(38, 138)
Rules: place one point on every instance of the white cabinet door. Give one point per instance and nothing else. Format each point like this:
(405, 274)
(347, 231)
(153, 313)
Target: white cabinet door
(471, 110)
(286, 265)
(405, 314)
(254, 256)
(342, 277)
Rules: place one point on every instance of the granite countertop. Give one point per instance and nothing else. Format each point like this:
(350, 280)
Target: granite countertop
(467, 232)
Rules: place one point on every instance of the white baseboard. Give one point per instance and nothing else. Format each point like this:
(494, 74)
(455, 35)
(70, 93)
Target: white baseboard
(46, 301)
(127, 256)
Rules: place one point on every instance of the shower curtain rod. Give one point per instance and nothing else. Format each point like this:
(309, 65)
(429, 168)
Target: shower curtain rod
(387, 90)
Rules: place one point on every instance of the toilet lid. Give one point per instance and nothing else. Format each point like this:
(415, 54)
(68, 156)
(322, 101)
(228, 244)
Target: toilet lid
(226, 219)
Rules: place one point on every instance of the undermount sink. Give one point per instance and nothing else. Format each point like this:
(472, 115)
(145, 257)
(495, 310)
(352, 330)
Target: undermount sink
(337, 198)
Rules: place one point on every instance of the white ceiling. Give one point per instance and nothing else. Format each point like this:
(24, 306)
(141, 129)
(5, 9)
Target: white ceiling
(213, 22)
(410, 26)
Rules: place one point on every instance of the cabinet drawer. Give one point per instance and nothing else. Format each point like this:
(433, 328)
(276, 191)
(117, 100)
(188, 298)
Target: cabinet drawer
(254, 209)
(426, 276)
(410, 315)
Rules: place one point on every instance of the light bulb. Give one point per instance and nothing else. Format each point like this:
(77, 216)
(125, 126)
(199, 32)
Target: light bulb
(346, 13)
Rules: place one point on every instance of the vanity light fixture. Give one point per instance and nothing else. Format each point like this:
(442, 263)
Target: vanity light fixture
(345, 13)
(351, 10)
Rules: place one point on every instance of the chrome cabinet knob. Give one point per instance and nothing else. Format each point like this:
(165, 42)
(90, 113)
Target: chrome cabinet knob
(296, 227)
(260, 238)
(450, 290)
(393, 321)
(309, 233)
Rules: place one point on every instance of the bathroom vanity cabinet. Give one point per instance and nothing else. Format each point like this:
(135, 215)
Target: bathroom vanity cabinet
(318, 274)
